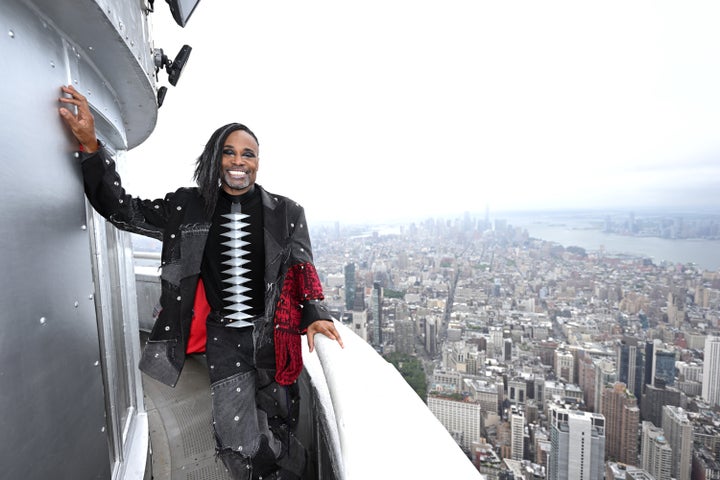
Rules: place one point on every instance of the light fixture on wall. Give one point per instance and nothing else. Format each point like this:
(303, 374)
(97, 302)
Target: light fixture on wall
(174, 67)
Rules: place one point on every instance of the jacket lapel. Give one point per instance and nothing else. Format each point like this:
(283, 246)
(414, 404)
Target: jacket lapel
(276, 234)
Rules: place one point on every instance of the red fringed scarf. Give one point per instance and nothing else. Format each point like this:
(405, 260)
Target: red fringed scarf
(301, 284)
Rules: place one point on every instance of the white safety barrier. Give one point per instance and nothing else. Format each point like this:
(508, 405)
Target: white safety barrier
(384, 430)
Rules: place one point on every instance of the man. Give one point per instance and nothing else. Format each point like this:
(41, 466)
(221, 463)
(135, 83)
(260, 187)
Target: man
(238, 283)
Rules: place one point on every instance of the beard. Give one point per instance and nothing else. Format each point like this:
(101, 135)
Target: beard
(235, 183)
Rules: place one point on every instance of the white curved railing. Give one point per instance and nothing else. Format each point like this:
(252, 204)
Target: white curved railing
(383, 429)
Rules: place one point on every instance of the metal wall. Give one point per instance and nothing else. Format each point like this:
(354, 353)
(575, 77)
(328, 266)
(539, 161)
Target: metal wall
(70, 400)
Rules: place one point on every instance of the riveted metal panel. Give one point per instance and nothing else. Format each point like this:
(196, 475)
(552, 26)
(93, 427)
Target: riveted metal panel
(69, 388)
(110, 37)
(51, 389)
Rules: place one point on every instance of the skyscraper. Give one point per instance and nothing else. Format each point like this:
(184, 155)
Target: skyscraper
(664, 368)
(377, 304)
(631, 364)
(711, 371)
(655, 452)
(462, 418)
(578, 445)
(659, 365)
(653, 400)
(517, 433)
(350, 286)
(622, 419)
(564, 365)
(679, 434)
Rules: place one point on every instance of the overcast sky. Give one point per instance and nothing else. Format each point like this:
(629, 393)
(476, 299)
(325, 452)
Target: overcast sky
(385, 109)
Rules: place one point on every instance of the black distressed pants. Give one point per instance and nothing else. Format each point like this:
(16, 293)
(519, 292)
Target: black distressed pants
(254, 417)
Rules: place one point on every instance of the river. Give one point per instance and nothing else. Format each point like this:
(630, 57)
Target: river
(703, 253)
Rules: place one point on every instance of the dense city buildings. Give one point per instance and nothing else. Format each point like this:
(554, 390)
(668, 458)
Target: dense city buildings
(542, 360)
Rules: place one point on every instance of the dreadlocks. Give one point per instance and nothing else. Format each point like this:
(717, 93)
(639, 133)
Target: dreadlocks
(207, 167)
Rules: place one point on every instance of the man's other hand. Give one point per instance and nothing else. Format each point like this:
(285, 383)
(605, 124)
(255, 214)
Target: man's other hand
(327, 328)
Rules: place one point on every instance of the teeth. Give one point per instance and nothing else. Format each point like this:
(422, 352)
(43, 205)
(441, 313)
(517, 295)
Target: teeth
(236, 174)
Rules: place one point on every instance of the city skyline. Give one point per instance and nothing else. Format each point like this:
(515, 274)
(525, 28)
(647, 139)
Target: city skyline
(504, 324)
(379, 111)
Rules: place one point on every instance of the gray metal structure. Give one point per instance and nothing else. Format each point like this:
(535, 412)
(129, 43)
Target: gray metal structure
(71, 402)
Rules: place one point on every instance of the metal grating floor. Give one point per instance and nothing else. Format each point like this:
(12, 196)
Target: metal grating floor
(183, 446)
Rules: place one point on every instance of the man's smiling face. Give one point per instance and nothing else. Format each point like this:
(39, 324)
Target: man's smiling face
(240, 162)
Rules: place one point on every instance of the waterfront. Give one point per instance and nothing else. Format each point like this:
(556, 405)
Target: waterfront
(704, 253)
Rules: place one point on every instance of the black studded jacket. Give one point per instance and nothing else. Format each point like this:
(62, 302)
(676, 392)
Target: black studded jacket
(180, 222)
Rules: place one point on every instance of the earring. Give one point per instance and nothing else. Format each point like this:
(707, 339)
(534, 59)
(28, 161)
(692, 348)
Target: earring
(219, 183)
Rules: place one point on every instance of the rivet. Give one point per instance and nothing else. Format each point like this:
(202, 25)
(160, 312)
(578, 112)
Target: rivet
(238, 389)
(11, 33)
(121, 200)
(274, 390)
(90, 48)
(240, 448)
(237, 419)
(178, 298)
(90, 297)
(83, 227)
(97, 363)
(76, 155)
(292, 225)
(157, 206)
(167, 328)
(116, 183)
(215, 339)
(179, 208)
(302, 249)
(42, 320)
(212, 367)
(76, 304)
(107, 162)
(157, 355)
(172, 235)
(102, 430)
(237, 364)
